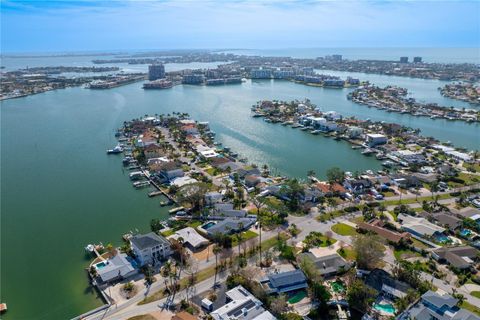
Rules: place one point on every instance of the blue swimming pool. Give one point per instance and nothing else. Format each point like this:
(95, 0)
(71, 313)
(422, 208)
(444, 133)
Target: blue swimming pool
(100, 265)
(465, 233)
(386, 308)
(208, 225)
(442, 238)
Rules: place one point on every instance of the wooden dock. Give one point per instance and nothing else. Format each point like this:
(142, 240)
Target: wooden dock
(160, 190)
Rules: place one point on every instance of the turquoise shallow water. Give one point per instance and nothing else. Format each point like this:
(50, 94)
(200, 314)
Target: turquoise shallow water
(60, 190)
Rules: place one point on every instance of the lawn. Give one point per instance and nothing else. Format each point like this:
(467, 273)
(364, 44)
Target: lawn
(317, 239)
(168, 233)
(247, 235)
(470, 307)
(476, 294)
(297, 297)
(210, 171)
(405, 254)
(347, 254)
(419, 244)
(194, 223)
(413, 200)
(475, 167)
(343, 229)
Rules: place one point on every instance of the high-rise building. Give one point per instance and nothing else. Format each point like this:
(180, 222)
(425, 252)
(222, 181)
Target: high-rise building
(417, 59)
(403, 59)
(336, 57)
(156, 71)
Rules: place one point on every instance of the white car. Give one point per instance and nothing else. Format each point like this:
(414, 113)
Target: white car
(476, 203)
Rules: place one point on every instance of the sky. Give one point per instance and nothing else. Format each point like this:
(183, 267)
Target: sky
(62, 26)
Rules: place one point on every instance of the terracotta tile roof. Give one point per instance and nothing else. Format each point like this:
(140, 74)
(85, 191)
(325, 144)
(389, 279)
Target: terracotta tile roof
(375, 226)
(326, 188)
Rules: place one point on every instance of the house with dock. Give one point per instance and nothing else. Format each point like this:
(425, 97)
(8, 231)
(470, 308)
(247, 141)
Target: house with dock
(150, 248)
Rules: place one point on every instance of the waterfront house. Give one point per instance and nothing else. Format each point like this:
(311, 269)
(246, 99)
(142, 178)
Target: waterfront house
(153, 151)
(375, 139)
(284, 282)
(328, 265)
(167, 170)
(190, 238)
(357, 186)
(461, 258)
(115, 268)
(241, 305)
(230, 226)
(354, 132)
(437, 305)
(206, 152)
(409, 157)
(190, 129)
(330, 189)
(150, 248)
(243, 172)
(252, 180)
(213, 197)
(182, 181)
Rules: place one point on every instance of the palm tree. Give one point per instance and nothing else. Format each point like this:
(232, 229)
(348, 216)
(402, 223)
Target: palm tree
(216, 251)
(433, 187)
(259, 202)
(239, 240)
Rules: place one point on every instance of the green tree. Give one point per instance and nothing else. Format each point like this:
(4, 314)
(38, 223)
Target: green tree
(293, 191)
(193, 194)
(335, 174)
(368, 250)
(360, 296)
(156, 225)
(216, 251)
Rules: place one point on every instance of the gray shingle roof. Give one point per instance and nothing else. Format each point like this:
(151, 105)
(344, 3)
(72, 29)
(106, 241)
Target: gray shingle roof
(288, 281)
(327, 264)
(149, 240)
(230, 225)
(115, 267)
(438, 300)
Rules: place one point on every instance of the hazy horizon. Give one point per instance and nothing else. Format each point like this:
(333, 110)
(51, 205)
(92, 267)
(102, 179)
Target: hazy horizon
(82, 26)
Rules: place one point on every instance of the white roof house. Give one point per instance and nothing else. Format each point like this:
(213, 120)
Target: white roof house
(242, 306)
(419, 226)
(206, 152)
(181, 181)
(191, 237)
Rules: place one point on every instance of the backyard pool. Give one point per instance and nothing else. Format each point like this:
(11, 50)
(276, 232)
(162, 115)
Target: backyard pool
(100, 265)
(338, 287)
(297, 297)
(387, 308)
(441, 238)
(465, 233)
(208, 225)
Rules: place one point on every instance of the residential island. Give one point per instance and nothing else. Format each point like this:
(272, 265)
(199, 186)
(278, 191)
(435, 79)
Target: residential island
(393, 99)
(462, 91)
(243, 243)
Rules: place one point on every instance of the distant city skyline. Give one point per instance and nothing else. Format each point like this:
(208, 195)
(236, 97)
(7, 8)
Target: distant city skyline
(66, 26)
